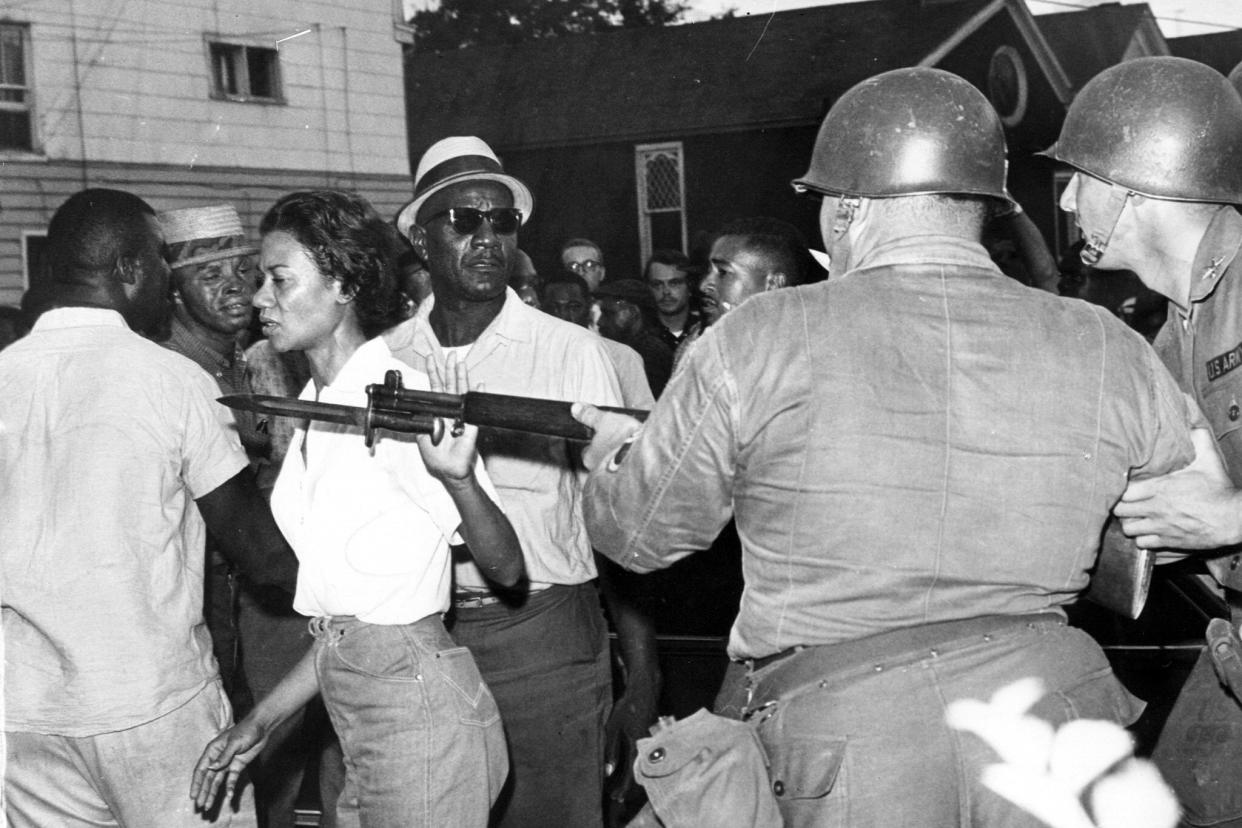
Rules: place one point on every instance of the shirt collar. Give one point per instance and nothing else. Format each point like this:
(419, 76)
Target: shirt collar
(513, 324)
(77, 317)
(356, 374)
(208, 358)
(930, 248)
(1216, 252)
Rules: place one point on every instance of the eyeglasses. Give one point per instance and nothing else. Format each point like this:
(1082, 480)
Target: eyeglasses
(589, 264)
(466, 220)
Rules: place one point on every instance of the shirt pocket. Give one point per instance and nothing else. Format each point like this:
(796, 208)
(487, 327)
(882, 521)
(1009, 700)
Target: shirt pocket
(1222, 404)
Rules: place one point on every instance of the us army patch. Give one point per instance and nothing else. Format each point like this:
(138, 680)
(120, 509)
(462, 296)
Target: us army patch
(1220, 365)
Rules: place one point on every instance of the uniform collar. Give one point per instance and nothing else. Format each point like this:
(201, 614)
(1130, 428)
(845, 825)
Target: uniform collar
(938, 249)
(1216, 252)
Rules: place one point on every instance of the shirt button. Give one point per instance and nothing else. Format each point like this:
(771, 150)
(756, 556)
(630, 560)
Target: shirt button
(1234, 411)
(778, 788)
(656, 755)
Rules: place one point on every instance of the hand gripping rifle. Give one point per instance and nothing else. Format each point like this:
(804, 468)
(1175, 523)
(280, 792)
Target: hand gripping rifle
(392, 407)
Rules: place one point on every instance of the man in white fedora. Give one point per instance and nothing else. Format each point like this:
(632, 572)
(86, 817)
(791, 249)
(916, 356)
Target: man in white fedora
(543, 649)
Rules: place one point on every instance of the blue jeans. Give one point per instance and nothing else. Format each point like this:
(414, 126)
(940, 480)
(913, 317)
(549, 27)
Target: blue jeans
(547, 662)
(421, 733)
(865, 742)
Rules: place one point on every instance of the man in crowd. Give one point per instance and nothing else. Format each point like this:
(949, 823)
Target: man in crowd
(566, 296)
(1157, 196)
(542, 651)
(111, 448)
(584, 258)
(667, 276)
(627, 314)
(920, 454)
(256, 635)
(749, 256)
(213, 280)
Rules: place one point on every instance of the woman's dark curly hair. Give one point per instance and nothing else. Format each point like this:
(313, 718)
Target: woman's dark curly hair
(349, 242)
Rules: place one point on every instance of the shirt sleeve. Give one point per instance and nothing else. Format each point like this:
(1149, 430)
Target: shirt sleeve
(590, 376)
(673, 491)
(211, 450)
(1171, 416)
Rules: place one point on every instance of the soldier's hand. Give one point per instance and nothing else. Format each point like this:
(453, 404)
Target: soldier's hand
(1194, 508)
(611, 432)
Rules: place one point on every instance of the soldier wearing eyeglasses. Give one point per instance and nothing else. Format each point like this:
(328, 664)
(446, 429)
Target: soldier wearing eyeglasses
(542, 648)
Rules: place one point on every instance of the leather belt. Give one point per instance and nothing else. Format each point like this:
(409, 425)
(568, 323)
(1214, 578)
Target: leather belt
(764, 661)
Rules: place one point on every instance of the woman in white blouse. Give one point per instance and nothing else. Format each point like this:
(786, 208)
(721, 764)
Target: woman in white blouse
(372, 529)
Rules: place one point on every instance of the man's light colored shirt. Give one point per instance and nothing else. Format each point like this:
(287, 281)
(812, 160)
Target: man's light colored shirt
(105, 441)
(919, 440)
(371, 527)
(529, 353)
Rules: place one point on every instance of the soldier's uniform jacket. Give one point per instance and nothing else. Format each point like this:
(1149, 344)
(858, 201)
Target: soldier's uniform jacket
(1203, 350)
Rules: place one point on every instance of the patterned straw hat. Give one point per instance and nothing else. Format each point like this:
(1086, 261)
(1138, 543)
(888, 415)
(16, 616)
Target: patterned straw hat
(452, 161)
(197, 235)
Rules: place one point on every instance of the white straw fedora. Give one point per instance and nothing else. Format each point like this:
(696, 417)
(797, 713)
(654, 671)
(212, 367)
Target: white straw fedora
(451, 161)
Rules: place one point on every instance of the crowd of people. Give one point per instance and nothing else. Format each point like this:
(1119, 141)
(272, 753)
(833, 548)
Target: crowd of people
(916, 452)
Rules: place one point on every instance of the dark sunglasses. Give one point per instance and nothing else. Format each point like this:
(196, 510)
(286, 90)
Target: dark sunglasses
(465, 220)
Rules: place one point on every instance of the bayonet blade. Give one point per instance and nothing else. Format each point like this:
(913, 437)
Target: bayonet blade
(298, 409)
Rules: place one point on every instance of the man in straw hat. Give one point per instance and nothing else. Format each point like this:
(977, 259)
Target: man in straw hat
(920, 454)
(544, 650)
(114, 462)
(213, 281)
(255, 634)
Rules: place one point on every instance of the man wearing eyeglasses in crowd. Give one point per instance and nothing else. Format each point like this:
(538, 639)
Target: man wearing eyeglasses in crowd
(542, 649)
(584, 258)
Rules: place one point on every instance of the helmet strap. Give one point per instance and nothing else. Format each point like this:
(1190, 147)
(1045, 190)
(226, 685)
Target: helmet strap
(1094, 249)
(847, 206)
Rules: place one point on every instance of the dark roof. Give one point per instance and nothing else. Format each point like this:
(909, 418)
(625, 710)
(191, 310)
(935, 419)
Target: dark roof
(1220, 50)
(1089, 41)
(762, 70)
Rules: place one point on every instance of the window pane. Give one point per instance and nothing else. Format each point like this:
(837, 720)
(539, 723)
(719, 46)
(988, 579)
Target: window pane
(666, 230)
(224, 68)
(663, 182)
(262, 66)
(15, 130)
(12, 59)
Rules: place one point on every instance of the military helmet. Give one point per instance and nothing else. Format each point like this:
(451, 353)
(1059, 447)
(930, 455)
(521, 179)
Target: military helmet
(914, 131)
(1164, 127)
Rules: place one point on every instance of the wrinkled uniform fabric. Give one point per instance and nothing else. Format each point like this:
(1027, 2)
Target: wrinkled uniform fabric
(920, 440)
(106, 439)
(1203, 350)
(555, 734)
(371, 528)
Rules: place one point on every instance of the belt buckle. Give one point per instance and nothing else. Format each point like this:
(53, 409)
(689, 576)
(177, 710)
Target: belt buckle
(474, 601)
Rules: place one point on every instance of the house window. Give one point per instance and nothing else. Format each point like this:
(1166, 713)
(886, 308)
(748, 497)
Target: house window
(661, 197)
(244, 73)
(15, 132)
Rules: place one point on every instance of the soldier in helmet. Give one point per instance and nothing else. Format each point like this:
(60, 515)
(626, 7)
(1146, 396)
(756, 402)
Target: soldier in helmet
(920, 454)
(1156, 145)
